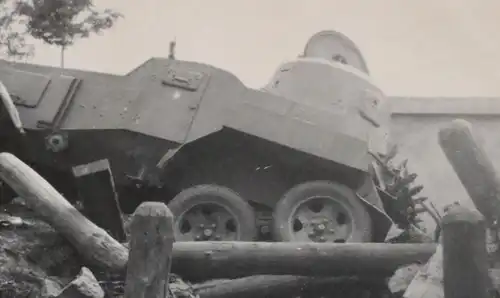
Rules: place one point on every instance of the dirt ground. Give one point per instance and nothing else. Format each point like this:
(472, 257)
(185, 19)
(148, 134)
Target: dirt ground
(32, 254)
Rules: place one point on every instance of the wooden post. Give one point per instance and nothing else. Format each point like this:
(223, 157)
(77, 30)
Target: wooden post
(473, 167)
(96, 187)
(151, 243)
(465, 261)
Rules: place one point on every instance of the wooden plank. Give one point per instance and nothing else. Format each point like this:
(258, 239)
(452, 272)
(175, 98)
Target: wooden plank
(96, 188)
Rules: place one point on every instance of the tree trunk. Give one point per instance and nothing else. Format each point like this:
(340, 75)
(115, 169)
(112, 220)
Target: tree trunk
(63, 50)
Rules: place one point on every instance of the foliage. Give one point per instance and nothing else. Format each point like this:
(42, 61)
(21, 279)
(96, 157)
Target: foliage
(399, 196)
(55, 22)
(13, 32)
(404, 205)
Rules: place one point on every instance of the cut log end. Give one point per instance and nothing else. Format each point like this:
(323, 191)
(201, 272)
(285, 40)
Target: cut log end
(457, 126)
(461, 123)
(153, 209)
(460, 214)
(150, 251)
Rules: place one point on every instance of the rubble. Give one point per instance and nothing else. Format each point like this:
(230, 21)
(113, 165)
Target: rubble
(33, 258)
(84, 285)
(402, 278)
(36, 260)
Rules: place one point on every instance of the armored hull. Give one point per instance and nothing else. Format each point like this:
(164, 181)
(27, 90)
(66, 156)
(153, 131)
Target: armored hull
(290, 162)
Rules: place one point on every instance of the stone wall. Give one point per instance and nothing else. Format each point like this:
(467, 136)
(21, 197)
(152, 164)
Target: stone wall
(415, 125)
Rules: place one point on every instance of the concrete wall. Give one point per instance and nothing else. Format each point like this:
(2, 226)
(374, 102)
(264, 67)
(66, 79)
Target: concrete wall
(415, 125)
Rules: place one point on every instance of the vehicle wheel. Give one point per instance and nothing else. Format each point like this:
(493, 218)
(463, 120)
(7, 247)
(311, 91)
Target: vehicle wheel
(321, 211)
(212, 213)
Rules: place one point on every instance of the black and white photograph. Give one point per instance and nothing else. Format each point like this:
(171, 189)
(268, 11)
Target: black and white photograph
(245, 149)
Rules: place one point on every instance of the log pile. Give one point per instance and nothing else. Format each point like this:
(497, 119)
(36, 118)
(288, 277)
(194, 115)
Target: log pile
(50, 249)
(64, 254)
(44, 261)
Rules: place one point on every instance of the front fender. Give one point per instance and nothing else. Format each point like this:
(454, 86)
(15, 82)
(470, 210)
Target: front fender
(369, 196)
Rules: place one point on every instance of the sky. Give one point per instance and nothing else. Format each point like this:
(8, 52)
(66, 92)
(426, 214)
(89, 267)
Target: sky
(412, 47)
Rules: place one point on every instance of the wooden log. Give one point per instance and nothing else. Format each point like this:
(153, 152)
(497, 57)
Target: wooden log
(465, 260)
(96, 187)
(93, 243)
(292, 286)
(209, 260)
(475, 170)
(152, 236)
(260, 286)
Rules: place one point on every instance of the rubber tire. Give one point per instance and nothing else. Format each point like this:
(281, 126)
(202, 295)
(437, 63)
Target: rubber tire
(300, 192)
(222, 196)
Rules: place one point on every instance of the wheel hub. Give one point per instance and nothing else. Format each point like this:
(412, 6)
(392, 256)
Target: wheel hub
(207, 223)
(321, 220)
(321, 229)
(208, 232)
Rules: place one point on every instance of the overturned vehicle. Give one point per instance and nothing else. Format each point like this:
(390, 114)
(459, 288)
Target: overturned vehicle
(294, 161)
